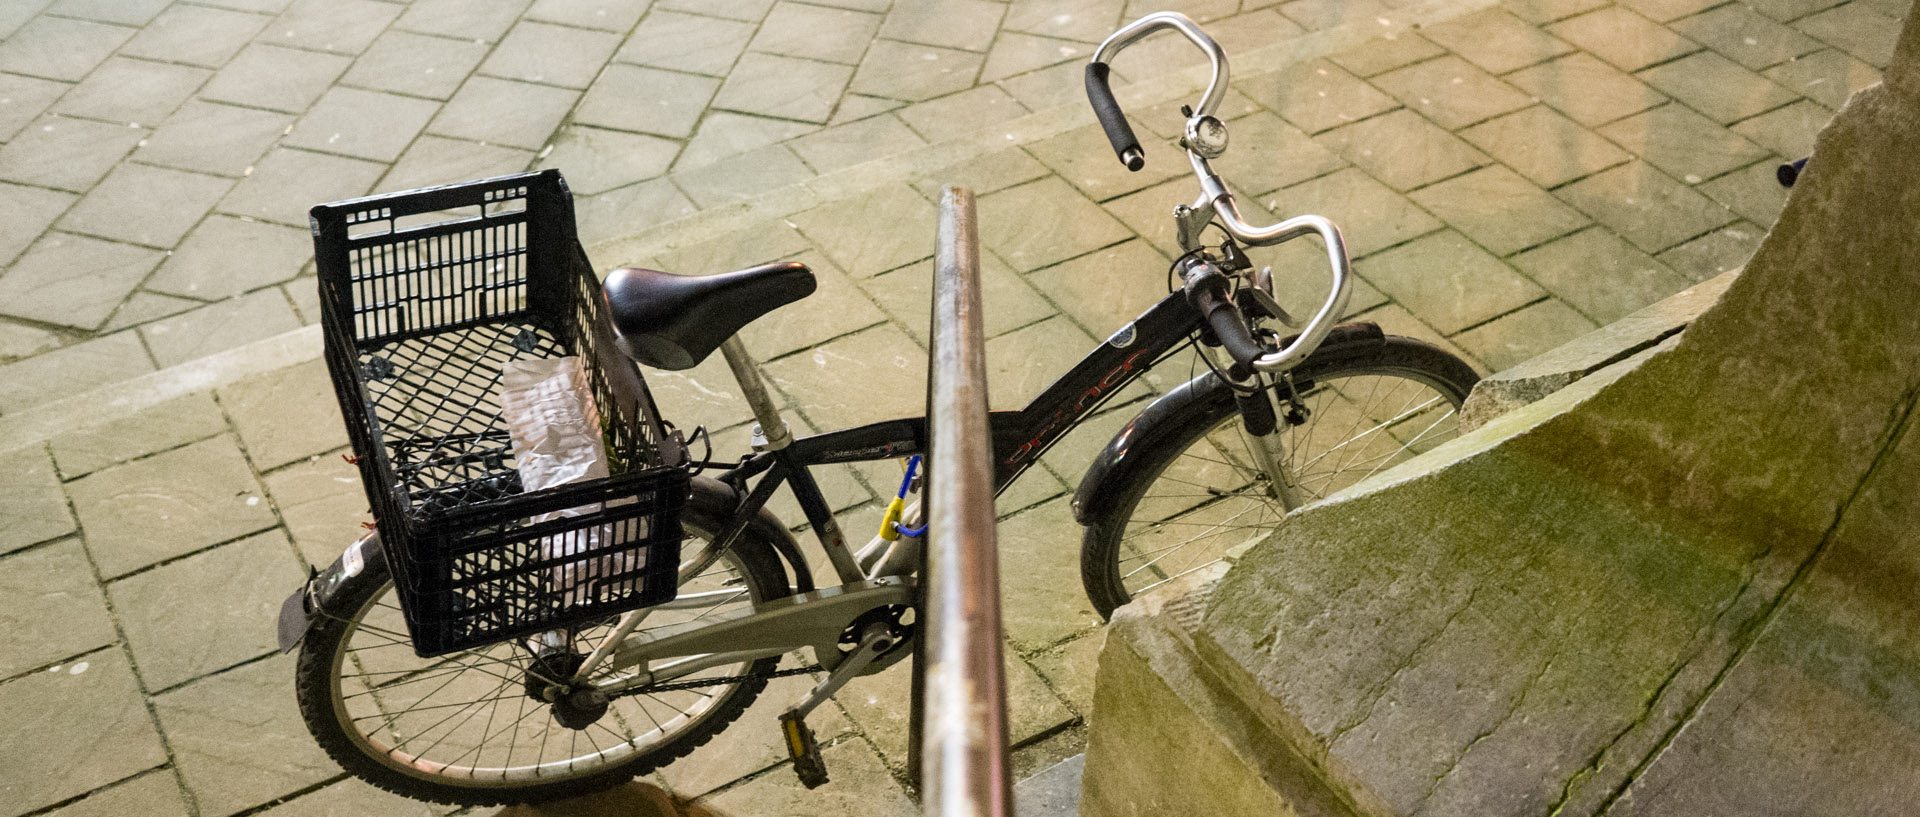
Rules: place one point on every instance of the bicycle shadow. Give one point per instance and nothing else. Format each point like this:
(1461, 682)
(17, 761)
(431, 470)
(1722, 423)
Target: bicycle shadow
(635, 799)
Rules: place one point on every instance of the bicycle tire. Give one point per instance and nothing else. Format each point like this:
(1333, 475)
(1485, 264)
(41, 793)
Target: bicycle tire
(1195, 470)
(355, 739)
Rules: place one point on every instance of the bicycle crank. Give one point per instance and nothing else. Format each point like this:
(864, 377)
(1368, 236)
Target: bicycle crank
(876, 638)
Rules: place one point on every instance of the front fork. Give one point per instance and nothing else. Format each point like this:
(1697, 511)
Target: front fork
(1271, 450)
(1258, 398)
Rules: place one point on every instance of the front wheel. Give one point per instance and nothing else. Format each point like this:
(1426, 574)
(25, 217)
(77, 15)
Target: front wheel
(1194, 489)
(466, 728)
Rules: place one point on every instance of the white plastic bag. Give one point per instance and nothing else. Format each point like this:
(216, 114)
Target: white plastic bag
(555, 429)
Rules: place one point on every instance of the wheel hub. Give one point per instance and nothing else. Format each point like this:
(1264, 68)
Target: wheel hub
(579, 708)
(549, 672)
(575, 706)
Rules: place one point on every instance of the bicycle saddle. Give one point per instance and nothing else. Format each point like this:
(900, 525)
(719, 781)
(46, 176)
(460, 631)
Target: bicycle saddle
(673, 322)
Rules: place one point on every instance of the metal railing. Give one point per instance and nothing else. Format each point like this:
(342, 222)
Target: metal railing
(960, 715)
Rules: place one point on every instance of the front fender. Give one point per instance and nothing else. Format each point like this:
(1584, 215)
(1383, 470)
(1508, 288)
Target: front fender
(1110, 466)
(307, 603)
(1099, 488)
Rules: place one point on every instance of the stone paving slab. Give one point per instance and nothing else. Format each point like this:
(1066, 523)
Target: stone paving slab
(55, 608)
(225, 593)
(1562, 162)
(72, 727)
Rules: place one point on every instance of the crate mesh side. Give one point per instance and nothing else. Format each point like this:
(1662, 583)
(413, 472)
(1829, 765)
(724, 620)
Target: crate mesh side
(402, 288)
(510, 577)
(633, 429)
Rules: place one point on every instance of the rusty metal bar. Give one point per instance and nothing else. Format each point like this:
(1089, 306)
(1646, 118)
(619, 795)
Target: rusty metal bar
(963, 730)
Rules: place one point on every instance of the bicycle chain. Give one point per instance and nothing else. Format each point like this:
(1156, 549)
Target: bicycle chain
(725, 679)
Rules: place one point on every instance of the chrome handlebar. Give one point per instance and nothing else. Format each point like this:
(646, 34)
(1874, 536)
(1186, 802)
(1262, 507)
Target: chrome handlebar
(1330, 312)
(1133, 32)
(1216, 204)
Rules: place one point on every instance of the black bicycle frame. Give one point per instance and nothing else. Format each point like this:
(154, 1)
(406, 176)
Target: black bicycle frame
(1019, 437)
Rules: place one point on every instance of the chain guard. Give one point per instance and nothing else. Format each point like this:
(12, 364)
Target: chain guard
(721, 681)
(892, 615)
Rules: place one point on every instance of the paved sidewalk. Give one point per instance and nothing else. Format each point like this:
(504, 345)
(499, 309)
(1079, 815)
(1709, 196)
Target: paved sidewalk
(1507, 180)
(159, 158)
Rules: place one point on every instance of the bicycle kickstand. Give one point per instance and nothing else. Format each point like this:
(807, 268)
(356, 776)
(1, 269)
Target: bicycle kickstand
(801, 744)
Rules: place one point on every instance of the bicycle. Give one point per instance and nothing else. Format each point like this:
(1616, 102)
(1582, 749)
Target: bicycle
(1207, 467)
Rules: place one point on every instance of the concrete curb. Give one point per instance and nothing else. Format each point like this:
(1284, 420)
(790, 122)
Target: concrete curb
(119, 400)
(1554, 370)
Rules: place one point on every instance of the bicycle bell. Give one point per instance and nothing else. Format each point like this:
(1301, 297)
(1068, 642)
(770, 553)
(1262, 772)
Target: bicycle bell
(1206, 136)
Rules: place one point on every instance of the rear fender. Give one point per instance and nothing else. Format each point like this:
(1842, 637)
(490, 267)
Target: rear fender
(314, 597)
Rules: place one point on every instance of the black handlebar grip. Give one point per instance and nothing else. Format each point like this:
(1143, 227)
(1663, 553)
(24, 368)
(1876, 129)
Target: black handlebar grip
(1107, 109)
(1234, 336)
(1207, 291)
(1789, 173)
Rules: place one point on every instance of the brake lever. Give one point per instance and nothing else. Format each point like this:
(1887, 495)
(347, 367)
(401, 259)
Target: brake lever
(1261, 293)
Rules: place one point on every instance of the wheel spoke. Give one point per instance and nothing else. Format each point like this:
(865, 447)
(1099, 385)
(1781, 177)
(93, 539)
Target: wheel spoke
(436, 725)
(1168, 551)
(1379, 427)
(413, 709)
(487, 733)
(1363, 416)
(1189, 570)
(463, 724)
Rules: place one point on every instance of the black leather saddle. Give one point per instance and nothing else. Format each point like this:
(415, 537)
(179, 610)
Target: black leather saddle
(673, 322)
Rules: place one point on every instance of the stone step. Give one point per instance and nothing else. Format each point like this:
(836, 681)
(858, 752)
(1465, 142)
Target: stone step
(117, 400)
(56, 376)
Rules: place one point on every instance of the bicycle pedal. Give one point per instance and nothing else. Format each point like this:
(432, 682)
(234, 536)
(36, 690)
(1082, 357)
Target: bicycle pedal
(805, 751)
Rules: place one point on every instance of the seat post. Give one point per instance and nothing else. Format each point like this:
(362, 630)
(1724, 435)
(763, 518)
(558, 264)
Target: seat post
(771, 427)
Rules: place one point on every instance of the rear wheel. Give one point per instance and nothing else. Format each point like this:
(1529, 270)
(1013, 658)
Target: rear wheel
(1194, 489)
(468, 728)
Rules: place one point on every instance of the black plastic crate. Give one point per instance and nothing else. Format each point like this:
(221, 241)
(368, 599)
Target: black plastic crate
(424, 296)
